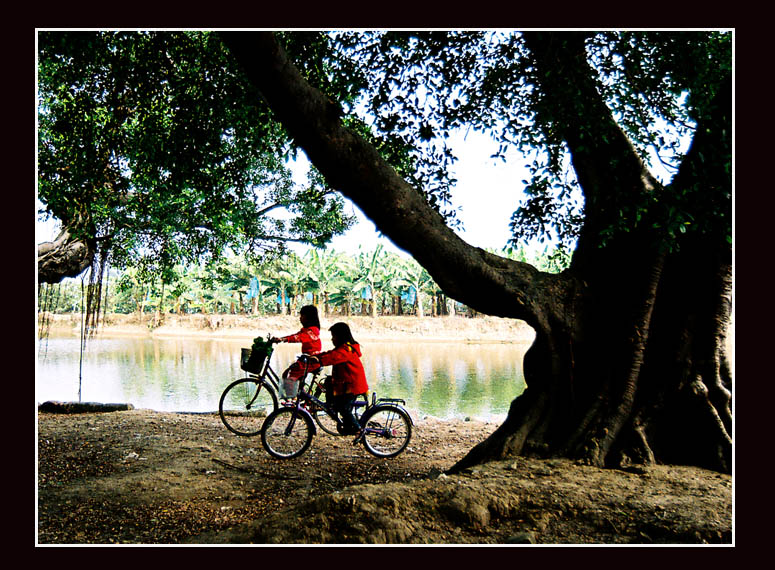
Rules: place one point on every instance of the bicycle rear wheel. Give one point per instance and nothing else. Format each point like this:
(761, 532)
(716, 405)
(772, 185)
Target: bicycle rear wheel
(287, 433)
(329, 424)
(326, 422)
(245, 404)
(321, 417)
(388, 431)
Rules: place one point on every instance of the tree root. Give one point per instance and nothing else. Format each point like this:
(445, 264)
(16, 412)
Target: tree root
(511, 437)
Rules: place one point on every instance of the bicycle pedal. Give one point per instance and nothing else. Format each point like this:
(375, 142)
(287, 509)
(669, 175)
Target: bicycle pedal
(359, 437)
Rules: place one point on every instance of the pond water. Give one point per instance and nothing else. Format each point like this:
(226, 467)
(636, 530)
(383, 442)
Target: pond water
(188, 375)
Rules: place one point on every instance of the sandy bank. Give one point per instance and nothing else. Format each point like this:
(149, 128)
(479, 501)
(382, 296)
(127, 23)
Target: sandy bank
(428, 329)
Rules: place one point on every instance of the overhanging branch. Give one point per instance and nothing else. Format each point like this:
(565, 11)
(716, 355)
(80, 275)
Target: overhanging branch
(351, 165)
(66, 256)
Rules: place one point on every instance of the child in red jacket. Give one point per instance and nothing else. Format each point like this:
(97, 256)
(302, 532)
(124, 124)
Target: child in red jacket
(309, 337)
(348, 375)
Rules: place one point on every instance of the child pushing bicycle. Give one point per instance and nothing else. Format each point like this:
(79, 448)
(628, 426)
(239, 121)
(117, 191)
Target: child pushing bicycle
(309, 337)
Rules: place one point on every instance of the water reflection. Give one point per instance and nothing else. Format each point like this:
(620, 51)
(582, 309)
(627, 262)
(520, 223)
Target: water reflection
(476, 380)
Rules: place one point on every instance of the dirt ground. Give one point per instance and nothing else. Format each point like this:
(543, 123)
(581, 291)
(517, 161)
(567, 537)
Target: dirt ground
(144, 477)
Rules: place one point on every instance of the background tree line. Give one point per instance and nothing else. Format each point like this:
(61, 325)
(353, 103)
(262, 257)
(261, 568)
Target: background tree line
(368, 283)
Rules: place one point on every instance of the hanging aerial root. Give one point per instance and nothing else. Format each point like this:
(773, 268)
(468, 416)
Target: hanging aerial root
(646, 454)
(699, 389)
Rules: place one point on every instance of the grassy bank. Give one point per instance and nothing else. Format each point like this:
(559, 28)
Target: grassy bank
(430, 329)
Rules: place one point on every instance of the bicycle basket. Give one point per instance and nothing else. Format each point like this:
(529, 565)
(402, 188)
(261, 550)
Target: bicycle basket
(252, 359)
(289, 388)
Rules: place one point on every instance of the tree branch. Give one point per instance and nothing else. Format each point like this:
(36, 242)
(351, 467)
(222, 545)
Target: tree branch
(607, 166)
(351, 165)
(63, 257)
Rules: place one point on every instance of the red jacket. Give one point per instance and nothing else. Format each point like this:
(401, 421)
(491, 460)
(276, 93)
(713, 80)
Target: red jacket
(348, 376)
(309, 337)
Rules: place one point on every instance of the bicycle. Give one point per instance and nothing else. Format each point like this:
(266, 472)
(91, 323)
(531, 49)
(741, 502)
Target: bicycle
(386, 427)
(246, 402)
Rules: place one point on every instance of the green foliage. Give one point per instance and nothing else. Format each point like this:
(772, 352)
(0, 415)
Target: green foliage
(550, 259)
(412, 96)
(154, 144)
(335, 280)
(423, 85)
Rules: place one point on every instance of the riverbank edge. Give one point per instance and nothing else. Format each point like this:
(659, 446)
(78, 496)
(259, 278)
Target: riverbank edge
(484, 329)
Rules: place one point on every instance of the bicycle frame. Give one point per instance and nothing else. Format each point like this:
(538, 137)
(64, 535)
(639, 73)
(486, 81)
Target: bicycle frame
(306, 397)
(395, 402)
(268, 375)
(303, 398)
(391, 403)
(385, 427)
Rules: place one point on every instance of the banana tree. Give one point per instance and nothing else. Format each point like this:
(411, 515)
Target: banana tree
(412, 274)
(343, 296)
(390, 283)
(254, 294)
(181, 289)
(289, 278)
(210, 291)
(235, 277)
(369, 271)
(134, 286)
(325, 270)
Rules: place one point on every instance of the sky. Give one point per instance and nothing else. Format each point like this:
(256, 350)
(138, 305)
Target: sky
(487, 192)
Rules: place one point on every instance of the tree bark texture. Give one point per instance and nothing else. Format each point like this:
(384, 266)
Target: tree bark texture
(66, 256)
(629, 362)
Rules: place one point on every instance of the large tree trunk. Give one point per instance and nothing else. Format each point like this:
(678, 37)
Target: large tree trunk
(628, 362)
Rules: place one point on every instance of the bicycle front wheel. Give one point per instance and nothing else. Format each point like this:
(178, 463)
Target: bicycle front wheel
(287, 433)
(245, 404)
(388, 431)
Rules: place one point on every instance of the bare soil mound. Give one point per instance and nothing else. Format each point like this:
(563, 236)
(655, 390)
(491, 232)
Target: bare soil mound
(145, 477)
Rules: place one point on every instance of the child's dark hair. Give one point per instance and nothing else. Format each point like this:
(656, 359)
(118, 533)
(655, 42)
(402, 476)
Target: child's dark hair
(342, 331)
(311, 312)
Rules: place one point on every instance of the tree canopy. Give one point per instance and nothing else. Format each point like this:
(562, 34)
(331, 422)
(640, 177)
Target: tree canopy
(658, 85)
(156, 144)
(153, 146)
